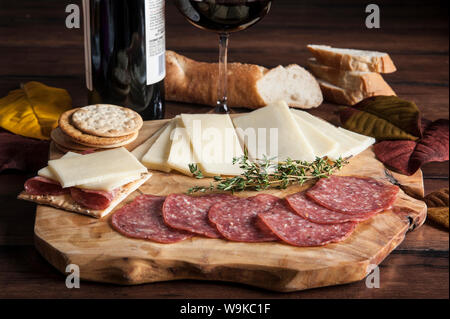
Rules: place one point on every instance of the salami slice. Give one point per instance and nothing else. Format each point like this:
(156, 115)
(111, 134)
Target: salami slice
(297, 231)
(92, 199)
(190, 213)
(237, 219)
(353, 195)
(39, 185)
(310, 210)
(143, 219)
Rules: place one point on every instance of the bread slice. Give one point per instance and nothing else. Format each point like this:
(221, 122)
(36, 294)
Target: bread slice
(353, 60)
(249, 85)
(369, 83)
(334, 94)
(67, 203)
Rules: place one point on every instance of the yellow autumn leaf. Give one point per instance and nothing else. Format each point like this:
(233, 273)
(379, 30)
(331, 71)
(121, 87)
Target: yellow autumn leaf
(33, 110)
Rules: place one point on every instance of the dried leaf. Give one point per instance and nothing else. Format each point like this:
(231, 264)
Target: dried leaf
(406, 157)
(439, 215)
(33, 110)
(384, 117)
(433, 147)
(395, 154)
(438, 198)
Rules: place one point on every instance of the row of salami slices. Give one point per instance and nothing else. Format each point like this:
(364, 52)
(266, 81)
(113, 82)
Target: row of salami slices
(326, 213)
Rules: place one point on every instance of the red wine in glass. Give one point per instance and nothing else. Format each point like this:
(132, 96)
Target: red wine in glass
(223, 17)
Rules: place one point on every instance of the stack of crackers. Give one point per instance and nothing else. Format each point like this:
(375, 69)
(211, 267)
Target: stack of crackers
(93, 127)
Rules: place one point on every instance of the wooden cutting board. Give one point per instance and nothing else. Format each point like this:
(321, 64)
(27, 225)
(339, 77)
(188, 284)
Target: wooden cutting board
(106, 256)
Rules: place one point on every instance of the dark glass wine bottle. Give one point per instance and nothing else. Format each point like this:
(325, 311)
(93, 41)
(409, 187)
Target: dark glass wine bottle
(125, 54)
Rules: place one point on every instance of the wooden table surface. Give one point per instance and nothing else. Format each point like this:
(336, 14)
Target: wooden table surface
(35, 45)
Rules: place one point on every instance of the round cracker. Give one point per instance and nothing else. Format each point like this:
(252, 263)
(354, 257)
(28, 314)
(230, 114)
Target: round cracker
(133, 137)
(66, 126)
(107, 120)
(65, 141)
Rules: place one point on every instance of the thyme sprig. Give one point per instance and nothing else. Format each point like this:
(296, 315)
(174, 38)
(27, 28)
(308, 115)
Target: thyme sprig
(267, 173)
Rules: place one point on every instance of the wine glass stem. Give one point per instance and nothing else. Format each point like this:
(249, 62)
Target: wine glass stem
(222, 106)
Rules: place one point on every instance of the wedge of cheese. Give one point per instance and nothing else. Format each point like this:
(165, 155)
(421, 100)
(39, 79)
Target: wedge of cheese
(214, 143)
(274, 132)
(158, 154)
(96, 167)
(348, 146)
(181, 152)
(140, 151)
(321, 144)
(107, 185)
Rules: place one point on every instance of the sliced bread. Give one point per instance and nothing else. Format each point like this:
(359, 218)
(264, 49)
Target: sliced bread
(249, 85)
(353, 60)
(335, 94)
(369, 83)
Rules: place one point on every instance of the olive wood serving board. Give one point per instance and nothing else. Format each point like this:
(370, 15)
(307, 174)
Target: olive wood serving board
(104, 255)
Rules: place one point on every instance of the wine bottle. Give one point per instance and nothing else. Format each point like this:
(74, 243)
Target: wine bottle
(125, 54)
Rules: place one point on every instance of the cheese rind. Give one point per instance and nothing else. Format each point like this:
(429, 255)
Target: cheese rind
(156, 157)
(214, 143)
(95, 167)
(263, 124)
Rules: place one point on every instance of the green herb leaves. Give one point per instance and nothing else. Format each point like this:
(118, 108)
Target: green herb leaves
(266, 173)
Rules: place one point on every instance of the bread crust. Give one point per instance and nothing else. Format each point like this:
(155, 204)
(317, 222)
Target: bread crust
(197, 82)
(369, 83)
(382, 64)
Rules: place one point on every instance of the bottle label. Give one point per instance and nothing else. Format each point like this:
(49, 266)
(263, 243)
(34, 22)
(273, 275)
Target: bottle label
(155, 38)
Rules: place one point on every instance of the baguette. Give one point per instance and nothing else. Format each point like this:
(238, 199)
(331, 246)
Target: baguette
(249, 85)
(353, 60)
(368, 83)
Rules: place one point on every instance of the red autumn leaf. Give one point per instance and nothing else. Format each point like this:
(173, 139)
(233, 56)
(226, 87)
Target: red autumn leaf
(395, 154)
(433, 147)
(406, 157)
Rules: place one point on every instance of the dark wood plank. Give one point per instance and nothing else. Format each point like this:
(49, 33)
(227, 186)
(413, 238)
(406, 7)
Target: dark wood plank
(26, 274)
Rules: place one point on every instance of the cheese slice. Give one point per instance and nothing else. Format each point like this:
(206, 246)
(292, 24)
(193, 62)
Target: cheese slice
(47, 173)
(140, 151)
(95, 167)
(348, 144)
(365, 141)
(156, 157)
(181, 152)
(107, 185)
(273, 131)
(214, 143)
(321, 144)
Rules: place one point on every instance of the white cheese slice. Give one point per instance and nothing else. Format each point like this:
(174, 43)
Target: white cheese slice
(348, 145)
(365, 141)
(273, 131)
(95, 167)
(106, 185)
(140, 151)
(321, 144)
(156, 157)
(214, 143)
(181, 152)
(47, 173)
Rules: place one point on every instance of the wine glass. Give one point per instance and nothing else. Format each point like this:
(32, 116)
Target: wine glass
(223, 17)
